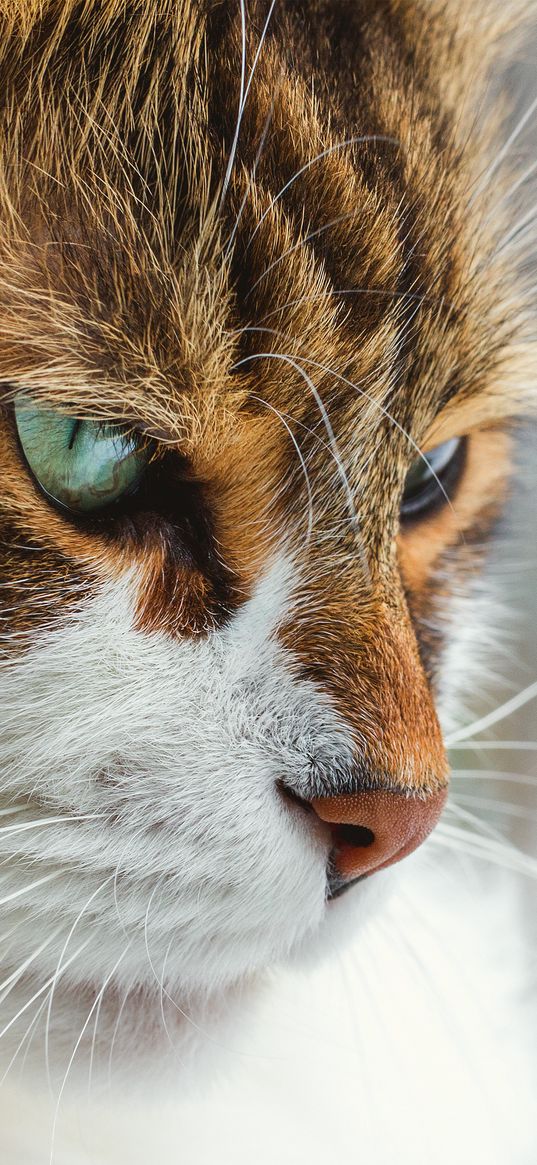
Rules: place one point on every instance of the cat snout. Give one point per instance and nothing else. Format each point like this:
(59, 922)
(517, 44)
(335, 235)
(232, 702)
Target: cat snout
(372, 829)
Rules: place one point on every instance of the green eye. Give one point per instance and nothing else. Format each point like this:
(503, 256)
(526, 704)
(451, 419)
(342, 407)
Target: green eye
(82, 465)
(431, 477)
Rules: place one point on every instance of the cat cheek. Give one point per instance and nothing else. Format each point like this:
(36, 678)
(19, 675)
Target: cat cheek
(177, 747)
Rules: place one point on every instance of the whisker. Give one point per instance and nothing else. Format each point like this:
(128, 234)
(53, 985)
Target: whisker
(301, 243)
(386, 413)
(159, 980)
(117, 871)
(160, 983)
(495, 775)
(59, 968)
(376, 404)
(41, 989)
(346, 143)
(14, 809)
(257, 159)
(326, 420)
(262, 38)
(497, 806)
(524, 697)
(235, 141)
(300, 456)
(514, 745)
(501, 855)
(419, 297)
(526, 221)
(115, 1035)
(24, 826)
(93, 1046)
(28, 1035)
(479, 828)
(16, 975)
(95, 1004)
(7, 933)
(161, 995)
(515, 133)
(527, 173)
(244, 91)
(26, 889)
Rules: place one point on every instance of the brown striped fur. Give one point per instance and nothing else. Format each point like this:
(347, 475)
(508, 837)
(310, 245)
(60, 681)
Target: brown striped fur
(220, 311)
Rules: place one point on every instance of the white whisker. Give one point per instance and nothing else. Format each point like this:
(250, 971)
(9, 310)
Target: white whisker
(244, 91)
(512, 745)
(41, 989)
(300, 456)
(497, 806)
(26, 889)
(96, 1003)
(332, 293)
(478, 828)
(59, 968)
(376, 404)
(262, 39)
(301, 243)
(495, 775)
(235, 141)
(161, 995)
(16, 975)
(484, 847)
(501, 713)
(504, 150)
(14, 809)
(353, 141)
(386, 413)
(22, 827)
(115, 1035)
(244, 200)
(526, 221)
(326, 420)
(509, 193)
(28, 1035)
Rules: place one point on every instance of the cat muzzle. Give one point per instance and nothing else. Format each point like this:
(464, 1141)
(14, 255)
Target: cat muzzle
(373, 829)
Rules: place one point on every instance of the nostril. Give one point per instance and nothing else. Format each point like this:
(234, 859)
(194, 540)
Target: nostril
(396, 825)
(355, 835)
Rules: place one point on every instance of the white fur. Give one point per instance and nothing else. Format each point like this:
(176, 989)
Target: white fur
(194, 869)
(405, 1043)
(412, 1045)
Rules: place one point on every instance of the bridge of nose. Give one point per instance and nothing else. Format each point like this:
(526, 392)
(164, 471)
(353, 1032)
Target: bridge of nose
(372, 670)
(369, 665)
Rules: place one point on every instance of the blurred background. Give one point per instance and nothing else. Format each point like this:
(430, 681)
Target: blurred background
(499, 784)
(504, 786)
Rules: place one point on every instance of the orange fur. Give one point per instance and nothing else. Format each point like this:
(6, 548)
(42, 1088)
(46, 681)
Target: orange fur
(370, 283)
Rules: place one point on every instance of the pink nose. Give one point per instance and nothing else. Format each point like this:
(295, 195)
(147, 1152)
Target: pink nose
(372, 830)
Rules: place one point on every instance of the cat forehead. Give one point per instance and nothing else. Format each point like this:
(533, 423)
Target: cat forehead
(165, 261)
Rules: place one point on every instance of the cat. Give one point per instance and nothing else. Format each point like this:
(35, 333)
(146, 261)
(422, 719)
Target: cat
(264, 330)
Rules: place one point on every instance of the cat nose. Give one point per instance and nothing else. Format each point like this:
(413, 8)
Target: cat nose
(373, 829)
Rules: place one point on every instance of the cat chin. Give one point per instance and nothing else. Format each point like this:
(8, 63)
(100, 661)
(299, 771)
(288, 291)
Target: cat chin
(346, 919)
(147, 1041)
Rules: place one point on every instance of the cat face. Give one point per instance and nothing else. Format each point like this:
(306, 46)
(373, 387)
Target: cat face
(254, 370)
